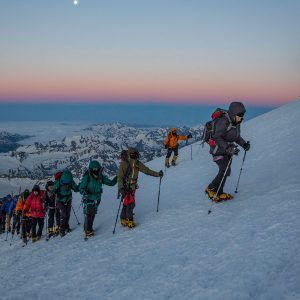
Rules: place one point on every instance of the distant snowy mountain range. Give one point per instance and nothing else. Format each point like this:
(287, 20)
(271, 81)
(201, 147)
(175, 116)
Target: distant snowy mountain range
(9, 141)
(100, 142)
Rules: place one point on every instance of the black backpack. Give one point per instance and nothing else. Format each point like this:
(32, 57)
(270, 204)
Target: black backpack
(209, 127)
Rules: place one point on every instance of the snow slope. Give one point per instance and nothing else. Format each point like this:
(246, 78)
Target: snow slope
(248, 248)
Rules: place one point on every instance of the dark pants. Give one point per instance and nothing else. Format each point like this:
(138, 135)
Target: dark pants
(127, 211)
(65, 212)
(53, 212)
(2, 222)
(16, 223)
(34, 223)
(170, 150)
(90, 210)
(222, 164)
(26, 226)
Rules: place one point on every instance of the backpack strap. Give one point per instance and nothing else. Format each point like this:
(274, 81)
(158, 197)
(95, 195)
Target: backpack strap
(127, 173)
(228, 118)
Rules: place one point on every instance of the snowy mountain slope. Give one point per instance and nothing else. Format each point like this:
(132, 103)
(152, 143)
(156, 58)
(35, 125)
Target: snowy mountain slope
(247, 248)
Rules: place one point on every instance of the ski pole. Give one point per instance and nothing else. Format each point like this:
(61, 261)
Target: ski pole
(117, 215)
(191, 152)
(216, 195)
(78, 223)
(158, 194)
(236, 189)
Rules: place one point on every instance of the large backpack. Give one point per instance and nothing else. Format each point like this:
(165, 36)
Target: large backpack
(209, 127)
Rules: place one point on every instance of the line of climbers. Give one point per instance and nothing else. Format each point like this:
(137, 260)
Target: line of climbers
(27, 211)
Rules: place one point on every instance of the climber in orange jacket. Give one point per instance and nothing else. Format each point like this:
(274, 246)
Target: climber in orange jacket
(171, 143)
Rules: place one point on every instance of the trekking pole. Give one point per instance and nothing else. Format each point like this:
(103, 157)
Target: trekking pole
(216, 195)
(47, 235)
(117, 215)
(236, 189)
(158, 194)
(12, 238)
(191, 152)
(7, 226)
(78, 223)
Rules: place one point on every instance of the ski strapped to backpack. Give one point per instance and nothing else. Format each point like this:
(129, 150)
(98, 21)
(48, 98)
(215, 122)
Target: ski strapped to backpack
(209, 127)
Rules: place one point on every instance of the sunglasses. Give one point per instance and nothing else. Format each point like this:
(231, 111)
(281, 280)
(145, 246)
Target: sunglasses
(241, 115)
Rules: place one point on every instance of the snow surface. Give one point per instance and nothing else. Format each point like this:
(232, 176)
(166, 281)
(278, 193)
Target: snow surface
(247, 248)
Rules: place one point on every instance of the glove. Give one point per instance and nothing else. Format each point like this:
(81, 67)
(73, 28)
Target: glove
(232, 150)
(122, 192)
(246, 146)
(189, 136)
(19, 213)
(161, 173)
(98, 202)
(166, 146)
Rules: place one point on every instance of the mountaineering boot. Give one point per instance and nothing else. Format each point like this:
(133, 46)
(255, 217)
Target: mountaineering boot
(130, 223)
(62, 234)
(225, 196)
(89, 233)
(50, 232)
(57, 230)
(174, 160)
(124, 222)
(34, 239)
(210, 193)
(167, 162)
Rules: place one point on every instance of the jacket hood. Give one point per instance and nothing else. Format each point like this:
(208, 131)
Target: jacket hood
(236, 108)
(66, 177)
(132, 150)
(94, 164)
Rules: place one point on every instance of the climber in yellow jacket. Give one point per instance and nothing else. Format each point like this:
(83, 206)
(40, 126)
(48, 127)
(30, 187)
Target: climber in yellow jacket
(171, 143)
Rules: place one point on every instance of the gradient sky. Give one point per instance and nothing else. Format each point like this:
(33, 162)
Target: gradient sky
(155, 51)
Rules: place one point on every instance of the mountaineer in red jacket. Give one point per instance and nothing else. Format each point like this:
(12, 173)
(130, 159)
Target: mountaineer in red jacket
(34, 204)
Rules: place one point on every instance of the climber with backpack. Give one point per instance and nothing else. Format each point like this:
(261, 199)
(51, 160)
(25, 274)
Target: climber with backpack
(171, 144)
(18, 212)
(63, 186)
(91, 190)
(34, 204)
(128, 173)
(49, 199)
(25, 218)
(222, 134)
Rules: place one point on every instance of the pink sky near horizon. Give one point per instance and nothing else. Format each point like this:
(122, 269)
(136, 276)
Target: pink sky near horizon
(50, 84)
(56, 52)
